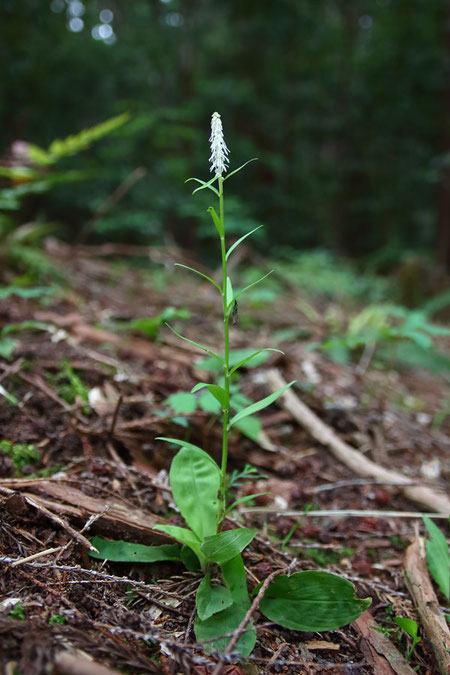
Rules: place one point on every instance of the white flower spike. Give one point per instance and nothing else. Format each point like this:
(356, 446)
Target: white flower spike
(219, 151)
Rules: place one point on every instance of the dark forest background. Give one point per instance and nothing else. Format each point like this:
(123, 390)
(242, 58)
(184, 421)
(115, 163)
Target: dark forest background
(344, 102)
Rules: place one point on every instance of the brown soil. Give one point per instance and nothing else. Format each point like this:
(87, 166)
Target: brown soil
(101, 472)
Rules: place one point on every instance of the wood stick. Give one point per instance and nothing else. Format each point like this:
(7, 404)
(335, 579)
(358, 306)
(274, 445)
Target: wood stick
(422, 592)
(353, 459)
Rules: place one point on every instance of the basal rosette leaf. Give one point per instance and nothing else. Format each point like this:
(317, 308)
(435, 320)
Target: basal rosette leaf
(312, 601)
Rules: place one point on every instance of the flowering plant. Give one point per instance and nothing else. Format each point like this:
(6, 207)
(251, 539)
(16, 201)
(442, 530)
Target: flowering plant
(308, 600)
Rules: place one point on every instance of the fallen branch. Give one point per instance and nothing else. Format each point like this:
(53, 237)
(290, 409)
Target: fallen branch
(33, 501)
(424, 597)
(353, 459)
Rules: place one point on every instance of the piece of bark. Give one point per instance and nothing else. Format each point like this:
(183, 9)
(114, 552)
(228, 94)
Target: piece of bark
(117, 520)
(378, 649)
(353, 459)
(421, 590)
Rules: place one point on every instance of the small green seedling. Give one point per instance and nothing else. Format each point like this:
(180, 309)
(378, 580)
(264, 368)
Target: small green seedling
(17, 613)
(305, 601)
(21, 454)
(409, 626)
(57, 619)
(438, 557)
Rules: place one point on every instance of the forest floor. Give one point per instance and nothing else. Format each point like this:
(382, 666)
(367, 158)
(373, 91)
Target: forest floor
(78, 458)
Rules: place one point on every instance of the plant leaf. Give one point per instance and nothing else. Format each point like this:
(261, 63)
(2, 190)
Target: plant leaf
(211, 599)
(259, 405)
(239, 293)
(236, 355)
(254, 159)
(125, 551)
(408, 625)
(209, 404)
(191, 446)
(242, 500)
(251, 427)
(204, 185)
(248, 358)
(224, 546)
(186, 537)
(7, 346)
(182, 402)
(230, 295)
(223, 623)
(217, 391)
(239, 241)
(9, 397)
(205, 276)
(195, 482)
(196, 344)
(438, 558)
(189, 559)
(235, 577)
(217, 222)
(312, 601)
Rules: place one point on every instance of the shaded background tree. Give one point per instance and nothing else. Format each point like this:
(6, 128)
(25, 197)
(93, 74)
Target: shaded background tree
(344, 102)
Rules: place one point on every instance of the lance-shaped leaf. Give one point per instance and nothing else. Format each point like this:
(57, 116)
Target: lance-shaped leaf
(258, 281)
(239, 241)
(242, 500)
(211, 599)
(125, 551)
(249, 358)
(312, 601)
(438, 558)
(200, 274)
(224, 546)
(216, 220)
(196, 344)
(204, 185)
(259, 405)
(254, 159)
(186, 537)
(230, 294)
(195, 483)
(218, 392)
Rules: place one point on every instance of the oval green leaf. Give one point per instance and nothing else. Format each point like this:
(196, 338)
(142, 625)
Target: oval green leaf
(224, 546)
(211, 599)
(312, 601)
(224, 623)
(191, 446)
(195, 482)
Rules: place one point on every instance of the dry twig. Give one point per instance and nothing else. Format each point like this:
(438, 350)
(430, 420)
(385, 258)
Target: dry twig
(424, 597)
(353, 459)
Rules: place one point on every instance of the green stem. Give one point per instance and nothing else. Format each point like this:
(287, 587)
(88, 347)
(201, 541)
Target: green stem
(226, 319)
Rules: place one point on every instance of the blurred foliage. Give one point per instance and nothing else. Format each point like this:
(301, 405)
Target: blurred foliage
(21, 455)
(19, 239)
(392, 333)
(343, 103)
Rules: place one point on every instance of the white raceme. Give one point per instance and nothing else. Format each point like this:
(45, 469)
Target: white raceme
(219, 151)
